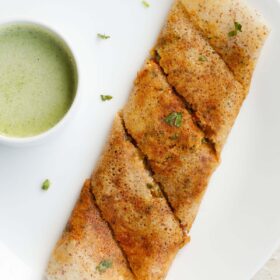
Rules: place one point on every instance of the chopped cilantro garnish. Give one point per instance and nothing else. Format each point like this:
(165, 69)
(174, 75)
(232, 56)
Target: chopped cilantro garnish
(104, 265)
(149, 186)
(106, 97)
(202, 58)
(46, 184)
(174, 119)
(103, 36)
(146, 4)
(237, 28)
(232, 33)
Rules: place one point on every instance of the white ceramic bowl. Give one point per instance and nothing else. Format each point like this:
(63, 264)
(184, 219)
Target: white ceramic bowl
(36, 139)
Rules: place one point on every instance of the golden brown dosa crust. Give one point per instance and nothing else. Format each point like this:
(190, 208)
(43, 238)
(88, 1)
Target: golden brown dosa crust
(215, 19)
(212, 72)
(199, 75)
(85, 243)
(181, 160)
(133, 205)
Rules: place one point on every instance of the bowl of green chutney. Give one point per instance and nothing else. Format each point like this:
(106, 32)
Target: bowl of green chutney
(38, 82)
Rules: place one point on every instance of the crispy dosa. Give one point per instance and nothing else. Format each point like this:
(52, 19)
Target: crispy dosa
(163, 150)
(132, 203)
(87, 249)
(200, 76)
(181, 160)
(216, 20)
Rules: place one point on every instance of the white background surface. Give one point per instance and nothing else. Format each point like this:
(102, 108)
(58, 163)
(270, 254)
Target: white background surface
(238, 225)
(271, 271)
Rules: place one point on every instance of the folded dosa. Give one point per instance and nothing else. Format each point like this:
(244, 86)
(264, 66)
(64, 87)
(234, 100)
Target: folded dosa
(87, 249)
(199, 75)
(135, 208)
(216, 19)
(181, 160)
(206, 53)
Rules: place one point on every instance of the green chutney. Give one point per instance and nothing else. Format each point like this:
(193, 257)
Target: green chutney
(38, 79)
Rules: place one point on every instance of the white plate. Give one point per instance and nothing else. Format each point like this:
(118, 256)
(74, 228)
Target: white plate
(238, 225)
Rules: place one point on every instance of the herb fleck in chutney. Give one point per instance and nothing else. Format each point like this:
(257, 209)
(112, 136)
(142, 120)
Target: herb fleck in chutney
(38, 79)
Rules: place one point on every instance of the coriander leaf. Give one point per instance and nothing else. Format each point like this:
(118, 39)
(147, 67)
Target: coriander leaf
(106, 97)
(103, 36)
(46, 184)
(232, 33)
(174, 119)
(146, 4)
(237, 28)
(149, 186)
(104, 265)
(202, 58)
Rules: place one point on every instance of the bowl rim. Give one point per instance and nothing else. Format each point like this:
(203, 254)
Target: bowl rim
(22, 141)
